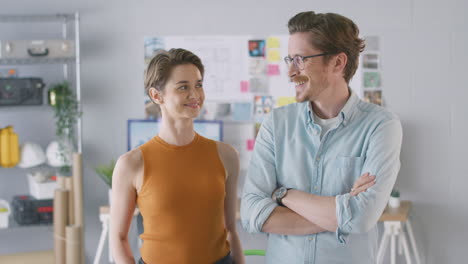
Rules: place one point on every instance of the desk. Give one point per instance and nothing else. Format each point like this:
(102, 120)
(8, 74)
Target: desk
(104, 216)
(394, 220)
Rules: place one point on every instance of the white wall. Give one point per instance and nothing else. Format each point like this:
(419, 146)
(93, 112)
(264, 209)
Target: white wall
(423, 55)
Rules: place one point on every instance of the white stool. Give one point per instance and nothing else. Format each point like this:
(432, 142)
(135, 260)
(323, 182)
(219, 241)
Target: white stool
(104, 217)
(395, 220)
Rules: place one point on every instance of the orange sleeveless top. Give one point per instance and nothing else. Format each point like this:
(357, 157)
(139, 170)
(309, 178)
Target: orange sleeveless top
(182, 203)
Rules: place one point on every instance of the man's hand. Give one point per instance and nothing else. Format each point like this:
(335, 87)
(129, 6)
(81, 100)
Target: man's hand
(362, 184)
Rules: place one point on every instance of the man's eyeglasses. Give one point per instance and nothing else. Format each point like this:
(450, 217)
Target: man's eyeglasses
(299, 60)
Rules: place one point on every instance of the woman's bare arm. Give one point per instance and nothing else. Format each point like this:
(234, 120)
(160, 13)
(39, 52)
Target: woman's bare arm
(127, 170)
(230, 158)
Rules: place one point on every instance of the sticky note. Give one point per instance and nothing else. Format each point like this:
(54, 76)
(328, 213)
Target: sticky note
(285, 100)
(250, 144)
(273, 55)
(273, 69)
(244, 86)
(273, 43)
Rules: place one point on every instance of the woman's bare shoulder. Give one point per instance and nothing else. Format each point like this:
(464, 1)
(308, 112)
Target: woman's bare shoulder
(229, 157)
(129, 164)
(227, 152)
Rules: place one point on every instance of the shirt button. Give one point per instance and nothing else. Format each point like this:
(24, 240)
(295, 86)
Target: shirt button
(318, 158)
(315, 187)
(311, 238)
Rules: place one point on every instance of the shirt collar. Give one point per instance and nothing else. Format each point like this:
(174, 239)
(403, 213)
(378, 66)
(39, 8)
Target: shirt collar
(345, 113)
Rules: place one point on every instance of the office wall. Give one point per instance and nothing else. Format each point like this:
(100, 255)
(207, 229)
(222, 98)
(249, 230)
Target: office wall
(423, 57)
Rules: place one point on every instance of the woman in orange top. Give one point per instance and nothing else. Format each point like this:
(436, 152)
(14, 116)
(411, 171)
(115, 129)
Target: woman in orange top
(185, 185)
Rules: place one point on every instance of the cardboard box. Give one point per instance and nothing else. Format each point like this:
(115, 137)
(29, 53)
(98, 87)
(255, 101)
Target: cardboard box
(44, 190)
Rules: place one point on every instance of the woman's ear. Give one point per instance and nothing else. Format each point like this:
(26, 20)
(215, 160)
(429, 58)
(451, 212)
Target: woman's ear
(155, 95)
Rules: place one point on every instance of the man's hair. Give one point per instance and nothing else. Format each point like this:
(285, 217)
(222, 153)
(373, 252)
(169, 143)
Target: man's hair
(331, 33)
(161, 65)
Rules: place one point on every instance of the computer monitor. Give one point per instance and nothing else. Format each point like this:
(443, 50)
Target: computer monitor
(139, 131)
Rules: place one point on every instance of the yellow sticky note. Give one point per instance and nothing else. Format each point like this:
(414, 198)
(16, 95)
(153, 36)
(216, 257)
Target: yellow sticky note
(273, 55)
(273, 43)
(285, 100)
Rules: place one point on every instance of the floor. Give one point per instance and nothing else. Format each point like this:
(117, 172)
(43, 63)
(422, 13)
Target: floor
(39, 257)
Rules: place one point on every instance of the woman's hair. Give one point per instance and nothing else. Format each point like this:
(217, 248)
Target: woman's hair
(160, 67)
(331, 33)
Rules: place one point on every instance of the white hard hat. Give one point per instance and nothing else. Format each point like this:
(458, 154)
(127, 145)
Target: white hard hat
(54, 158)
(31, 155)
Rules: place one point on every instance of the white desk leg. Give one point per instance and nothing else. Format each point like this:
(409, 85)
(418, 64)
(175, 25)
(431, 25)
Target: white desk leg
(400, 245)
(383, 245)
(392, 248)
(102, 240)
(413, 242)
(405, 247)
(111, 259)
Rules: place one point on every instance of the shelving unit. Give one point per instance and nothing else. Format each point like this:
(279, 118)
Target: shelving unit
(36, 123)
(36, 61)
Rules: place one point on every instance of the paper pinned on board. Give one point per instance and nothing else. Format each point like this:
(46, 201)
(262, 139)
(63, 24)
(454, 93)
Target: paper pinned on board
(285, 100)
(273, 55)
(244, 86)
(273, 43)
(273, 70)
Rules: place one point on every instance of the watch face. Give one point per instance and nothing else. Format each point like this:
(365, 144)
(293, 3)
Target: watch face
(281, 192)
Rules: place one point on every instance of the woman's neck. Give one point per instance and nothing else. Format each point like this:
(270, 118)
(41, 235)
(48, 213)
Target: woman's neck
(178, 132)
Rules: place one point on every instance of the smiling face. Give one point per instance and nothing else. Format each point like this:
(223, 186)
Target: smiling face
(311, 81)
(183, 95)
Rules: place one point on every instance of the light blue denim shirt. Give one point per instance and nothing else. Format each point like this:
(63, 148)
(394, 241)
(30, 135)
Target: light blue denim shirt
(288, 152)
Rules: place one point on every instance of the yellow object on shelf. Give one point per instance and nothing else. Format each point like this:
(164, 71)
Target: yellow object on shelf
(9, 147)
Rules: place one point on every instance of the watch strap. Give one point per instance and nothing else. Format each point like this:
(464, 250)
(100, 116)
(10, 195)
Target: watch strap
(279, 200)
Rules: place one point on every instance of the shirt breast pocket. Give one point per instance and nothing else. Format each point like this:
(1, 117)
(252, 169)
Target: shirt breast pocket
(348, 171)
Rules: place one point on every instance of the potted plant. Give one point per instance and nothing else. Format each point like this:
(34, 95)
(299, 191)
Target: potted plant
(66, 109)
(105, 173)
(394, 201)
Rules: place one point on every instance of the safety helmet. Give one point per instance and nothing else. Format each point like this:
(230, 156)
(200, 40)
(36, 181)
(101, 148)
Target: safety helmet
(54, 158)
(31, 155)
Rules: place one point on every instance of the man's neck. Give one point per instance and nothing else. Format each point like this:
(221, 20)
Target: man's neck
(331, 102)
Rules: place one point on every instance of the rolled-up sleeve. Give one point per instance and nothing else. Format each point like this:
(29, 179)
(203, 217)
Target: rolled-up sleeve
(256, 204)
(358, 214)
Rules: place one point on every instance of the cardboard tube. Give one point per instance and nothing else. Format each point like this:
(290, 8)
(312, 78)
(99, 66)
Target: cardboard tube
(60, 221)
(73, 244)
(71, 198)
(78, 197)
(78, 188)
(61, 182)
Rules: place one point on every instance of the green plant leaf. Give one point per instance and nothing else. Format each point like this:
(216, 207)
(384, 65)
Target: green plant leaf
(395, 193)
(66, 111)
(105, 172)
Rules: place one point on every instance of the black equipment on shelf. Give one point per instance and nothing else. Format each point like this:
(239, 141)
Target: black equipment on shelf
(21, 91)
(29, 211)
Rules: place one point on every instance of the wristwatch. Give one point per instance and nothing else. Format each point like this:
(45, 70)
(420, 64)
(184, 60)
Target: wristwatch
(280, 194)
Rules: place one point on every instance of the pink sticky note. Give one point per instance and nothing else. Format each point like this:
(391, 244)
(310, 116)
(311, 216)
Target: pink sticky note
(244, 86)
(250, 144)
(273, 69)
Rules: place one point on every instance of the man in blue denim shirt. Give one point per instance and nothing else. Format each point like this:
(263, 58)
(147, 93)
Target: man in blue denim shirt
(299, 187)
